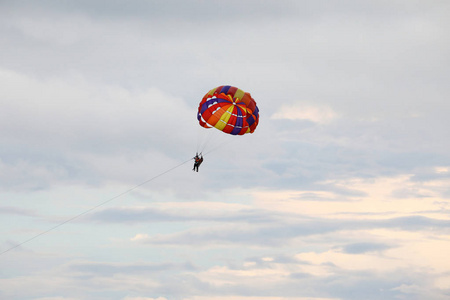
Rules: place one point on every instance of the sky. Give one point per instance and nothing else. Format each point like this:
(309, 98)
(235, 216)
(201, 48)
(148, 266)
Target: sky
(342, 192)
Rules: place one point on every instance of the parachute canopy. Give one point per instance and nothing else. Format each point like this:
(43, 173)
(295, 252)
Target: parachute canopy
(228, 109)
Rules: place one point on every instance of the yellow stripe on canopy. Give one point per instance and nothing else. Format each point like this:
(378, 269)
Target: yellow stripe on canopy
(224, 118)
(239, 94)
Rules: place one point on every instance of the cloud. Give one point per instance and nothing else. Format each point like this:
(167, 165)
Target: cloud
(109, 270)
(17, 211)
(77, 112)
(442, 170)
(270, 235)
(57, 129)
(316, 114)
(171, 213)
(341, 192)
(359, 248)
(197, 11)
(139, 236)
(318, 279)
(384, 196)
(262, 297)
(144, 298)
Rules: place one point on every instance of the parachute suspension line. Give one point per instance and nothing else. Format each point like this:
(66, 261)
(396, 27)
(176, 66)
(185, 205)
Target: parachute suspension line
(220, 146)
(211, 134)
(94, 207)
(206, 137)
(200, 142)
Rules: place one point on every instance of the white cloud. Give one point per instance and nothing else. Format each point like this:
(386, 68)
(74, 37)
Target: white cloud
(56, 298)
(222, 276)
(144, 298)
(73, 110)
(256, 298)
(63, 31)
(442, 282)
(140, 237)
(318, 114)
(58, 128)
(442, 170)
(376, 198)
(349, 262)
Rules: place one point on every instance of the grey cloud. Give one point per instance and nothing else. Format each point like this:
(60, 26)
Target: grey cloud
(271, 235)
(214, 8)
(42, 142)
(139, 215)
(110, 269)
(352, 285)
(410, 193)
(425, 174)
(415, 223)
(253, 227)
(179, 280)
(299, 275)
(10, 210)
(358, 248)
(367, 284)
(192, 11)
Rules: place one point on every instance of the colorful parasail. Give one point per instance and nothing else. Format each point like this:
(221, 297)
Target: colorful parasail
(228, 109)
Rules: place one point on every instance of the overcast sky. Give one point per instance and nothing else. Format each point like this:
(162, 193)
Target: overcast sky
(342, 192)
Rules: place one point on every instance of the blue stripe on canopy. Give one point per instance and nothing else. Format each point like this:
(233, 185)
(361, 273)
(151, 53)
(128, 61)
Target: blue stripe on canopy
(225, 89)
(239, 121)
